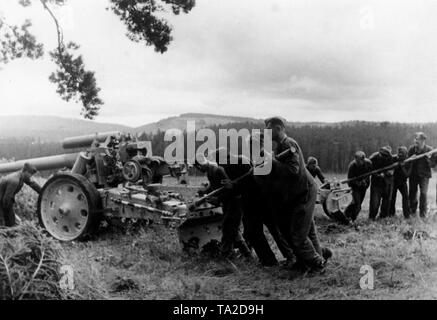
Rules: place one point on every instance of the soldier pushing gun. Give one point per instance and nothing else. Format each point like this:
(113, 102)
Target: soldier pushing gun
(297, 196)
(420, 174)
(10, 185)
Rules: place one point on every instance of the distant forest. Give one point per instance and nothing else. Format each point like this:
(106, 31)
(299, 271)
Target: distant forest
(28, 147)
(333, 145)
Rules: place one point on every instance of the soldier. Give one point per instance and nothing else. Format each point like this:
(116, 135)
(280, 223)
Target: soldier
(381, 184)
(400, 176)
(420, 174)
(314, 169)
(231, 205)
(359, 166)
(257, 212)
(10, 185)
(297, 199)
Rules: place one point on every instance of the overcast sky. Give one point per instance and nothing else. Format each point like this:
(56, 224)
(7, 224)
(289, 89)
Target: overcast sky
(305, 60)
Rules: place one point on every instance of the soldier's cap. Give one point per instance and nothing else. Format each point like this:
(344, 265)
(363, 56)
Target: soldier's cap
(276, 120)
(312, 160)
(29, 168)
(360, 155)
(420, 136)
(386, 150)
(402, 149)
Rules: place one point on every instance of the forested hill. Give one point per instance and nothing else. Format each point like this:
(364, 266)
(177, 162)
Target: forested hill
(335, 145)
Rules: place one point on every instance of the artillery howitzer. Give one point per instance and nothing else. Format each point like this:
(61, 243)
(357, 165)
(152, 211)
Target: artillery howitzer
(116, 176)
(335, 197)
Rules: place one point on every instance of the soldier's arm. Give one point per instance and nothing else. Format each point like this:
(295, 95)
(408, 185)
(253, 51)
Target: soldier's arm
(320, 175)
(292, 159)
(389, 173)
(406, 169)
(33, 184)
(370, 167)
(242, 183)
(433, 160)
(220, 175)
(410, 151)
(351, 174)
(205, 190)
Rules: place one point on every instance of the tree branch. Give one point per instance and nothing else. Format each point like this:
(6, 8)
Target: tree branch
(58, 27)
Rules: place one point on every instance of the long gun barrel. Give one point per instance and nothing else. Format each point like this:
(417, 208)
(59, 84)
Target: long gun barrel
(86, 140)
(392, 166)
(44, 163)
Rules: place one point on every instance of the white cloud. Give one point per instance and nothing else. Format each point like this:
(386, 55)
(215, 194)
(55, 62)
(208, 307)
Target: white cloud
(309, 60)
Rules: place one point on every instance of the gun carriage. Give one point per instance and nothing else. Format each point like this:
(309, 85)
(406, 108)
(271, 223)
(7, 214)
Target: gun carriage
(116, 176)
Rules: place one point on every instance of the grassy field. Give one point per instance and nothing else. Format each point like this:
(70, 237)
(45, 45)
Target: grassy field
(135, 262)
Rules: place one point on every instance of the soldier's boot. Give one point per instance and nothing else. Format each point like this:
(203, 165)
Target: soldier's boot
(299, 266)
(244, 249)
(288, 263)
(326, 254)
(302, 268)
(317, 268)
(270, 262)
(227, 250)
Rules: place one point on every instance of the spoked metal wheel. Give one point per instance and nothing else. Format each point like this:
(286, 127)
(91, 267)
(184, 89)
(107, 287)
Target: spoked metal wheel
(69, 207)
(336, 203)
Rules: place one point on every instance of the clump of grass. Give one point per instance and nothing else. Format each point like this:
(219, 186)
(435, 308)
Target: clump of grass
(29, 264)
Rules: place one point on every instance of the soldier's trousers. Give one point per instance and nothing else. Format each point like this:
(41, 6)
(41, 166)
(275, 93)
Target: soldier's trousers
(296, 223)
(232, 217)
(402, 187)
(7, 217)
(354, 207)
(255, 217)
(422, 183)
(380, 197)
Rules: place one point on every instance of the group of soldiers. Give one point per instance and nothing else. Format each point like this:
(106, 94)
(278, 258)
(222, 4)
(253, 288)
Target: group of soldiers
(409, 178)
(283, 201)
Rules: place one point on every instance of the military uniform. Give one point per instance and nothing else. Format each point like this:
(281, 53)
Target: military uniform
(256, 213)
(359, 187)
(10, 185)
(381, 186)
(419, 178)
(316, 172)
(297, 199)
(400, 177)
(232, 211)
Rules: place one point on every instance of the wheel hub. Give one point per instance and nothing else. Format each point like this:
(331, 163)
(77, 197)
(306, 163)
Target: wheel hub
(64, 210)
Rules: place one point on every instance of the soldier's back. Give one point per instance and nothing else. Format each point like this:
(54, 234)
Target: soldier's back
(293, 179)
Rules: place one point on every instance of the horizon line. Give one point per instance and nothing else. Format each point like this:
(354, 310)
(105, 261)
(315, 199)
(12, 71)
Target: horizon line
(211, 114)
